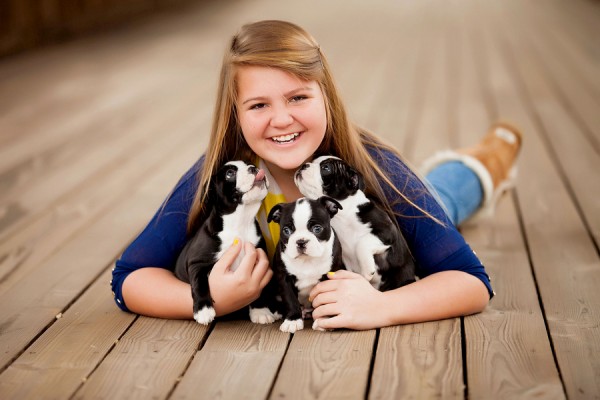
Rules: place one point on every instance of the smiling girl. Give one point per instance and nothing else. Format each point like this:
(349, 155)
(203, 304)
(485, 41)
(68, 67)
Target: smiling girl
(277, 106)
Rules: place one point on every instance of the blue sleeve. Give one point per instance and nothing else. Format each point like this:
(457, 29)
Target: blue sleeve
(160, 243)
(435, 247)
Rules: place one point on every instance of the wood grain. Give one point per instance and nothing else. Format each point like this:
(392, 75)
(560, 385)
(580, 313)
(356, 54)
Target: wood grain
(239, 360)
(325, 365)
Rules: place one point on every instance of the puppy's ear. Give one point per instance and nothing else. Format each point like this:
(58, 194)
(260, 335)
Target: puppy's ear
(331, 205)
(355, 181)
(275, 213)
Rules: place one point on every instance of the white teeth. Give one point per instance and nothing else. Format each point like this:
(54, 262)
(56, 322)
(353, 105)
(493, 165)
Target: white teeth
(285, 138)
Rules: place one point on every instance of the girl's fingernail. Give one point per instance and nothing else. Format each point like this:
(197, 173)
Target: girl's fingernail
(310, 299)
(236, 241)
(330, 274)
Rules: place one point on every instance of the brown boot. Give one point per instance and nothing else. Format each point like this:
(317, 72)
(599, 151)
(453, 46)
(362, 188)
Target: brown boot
(492, 159)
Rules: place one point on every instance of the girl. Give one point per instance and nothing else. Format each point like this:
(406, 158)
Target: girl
(277, 106)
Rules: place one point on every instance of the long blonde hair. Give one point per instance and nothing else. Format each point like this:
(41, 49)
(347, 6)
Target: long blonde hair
(286, 46)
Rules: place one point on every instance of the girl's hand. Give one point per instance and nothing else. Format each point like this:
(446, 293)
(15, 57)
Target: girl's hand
(347, 300)
(232, 290)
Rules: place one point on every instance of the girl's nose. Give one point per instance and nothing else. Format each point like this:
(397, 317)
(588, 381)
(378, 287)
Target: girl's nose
(281, 118)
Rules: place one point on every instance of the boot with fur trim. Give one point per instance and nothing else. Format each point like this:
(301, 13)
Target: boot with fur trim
(492, 160)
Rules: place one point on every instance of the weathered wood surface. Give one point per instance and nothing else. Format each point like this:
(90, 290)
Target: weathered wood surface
(94, 133)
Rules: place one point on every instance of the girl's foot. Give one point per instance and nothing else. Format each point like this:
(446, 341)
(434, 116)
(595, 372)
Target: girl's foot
(492, 159)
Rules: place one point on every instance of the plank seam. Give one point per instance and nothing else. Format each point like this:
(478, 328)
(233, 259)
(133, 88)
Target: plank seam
(515, 199)
(463, 345)
(104, 357)
(372, 364)
(187, 366)
(287, 347)
(528, 102)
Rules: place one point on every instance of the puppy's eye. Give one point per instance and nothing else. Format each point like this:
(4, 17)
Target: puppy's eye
(286, 231)
(325, 169)
(230, 174)
(316, 229)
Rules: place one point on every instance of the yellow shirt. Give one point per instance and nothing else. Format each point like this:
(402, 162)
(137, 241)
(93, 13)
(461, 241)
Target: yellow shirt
(270, 231)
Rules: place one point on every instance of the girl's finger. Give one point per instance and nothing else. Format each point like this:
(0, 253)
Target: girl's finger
(330, 323)
(261, 266)
(228, 257)
(322, 287)
(343, 274)
(248, 261)
(324, 298)
(326, 310)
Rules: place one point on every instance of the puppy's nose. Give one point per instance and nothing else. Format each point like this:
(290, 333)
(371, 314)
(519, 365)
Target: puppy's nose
(253, 170)
(304, 166)
(301, 243)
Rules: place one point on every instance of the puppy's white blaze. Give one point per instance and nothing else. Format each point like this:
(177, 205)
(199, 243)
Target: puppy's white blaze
(263, 316)
(359, 247)
(205, 316)
(292, 326)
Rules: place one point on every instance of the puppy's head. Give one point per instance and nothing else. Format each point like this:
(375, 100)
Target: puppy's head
(238, 183)
(328, 176)
(304, 226)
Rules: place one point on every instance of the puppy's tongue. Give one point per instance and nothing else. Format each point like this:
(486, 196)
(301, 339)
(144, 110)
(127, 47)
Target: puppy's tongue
(260, 175)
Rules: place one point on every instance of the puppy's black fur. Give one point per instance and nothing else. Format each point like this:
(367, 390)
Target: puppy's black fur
(308, 248)
(366, 231)
(234, 196)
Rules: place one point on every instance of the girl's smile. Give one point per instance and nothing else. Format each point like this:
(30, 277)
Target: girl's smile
(282, 117)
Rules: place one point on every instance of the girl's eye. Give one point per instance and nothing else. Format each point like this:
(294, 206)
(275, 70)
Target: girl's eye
(230, 174)
(298, 98)
(286, 231)
(316, 229)
(258, 106)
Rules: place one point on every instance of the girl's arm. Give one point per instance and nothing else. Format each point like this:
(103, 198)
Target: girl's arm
(347, 300)
(156, 292)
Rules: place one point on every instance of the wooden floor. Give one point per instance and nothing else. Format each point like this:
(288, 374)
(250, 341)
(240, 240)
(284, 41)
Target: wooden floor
(94, 134)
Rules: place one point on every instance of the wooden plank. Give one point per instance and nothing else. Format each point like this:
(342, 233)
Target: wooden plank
(424, 360)
(569, 144)
(147, 361)
(31, 192)
(31, 305)
(508, 353)
(27, 248)
(239, 360)
(61, 359)
(419, 361)
(326, 365)
(564, 258)
(569, 88)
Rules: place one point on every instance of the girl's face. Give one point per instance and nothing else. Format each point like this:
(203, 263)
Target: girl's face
(282, 117)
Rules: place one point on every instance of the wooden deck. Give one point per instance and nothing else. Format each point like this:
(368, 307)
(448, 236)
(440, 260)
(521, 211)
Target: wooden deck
(95, 132)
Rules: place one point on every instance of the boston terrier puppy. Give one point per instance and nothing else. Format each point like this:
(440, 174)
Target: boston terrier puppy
(234, 196)
(372, 244)
(307, 250)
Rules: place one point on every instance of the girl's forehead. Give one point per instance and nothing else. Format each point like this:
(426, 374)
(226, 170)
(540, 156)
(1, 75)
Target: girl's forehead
(264, 78)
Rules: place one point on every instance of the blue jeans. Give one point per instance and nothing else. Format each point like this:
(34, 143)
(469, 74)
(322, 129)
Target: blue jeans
(459, 189)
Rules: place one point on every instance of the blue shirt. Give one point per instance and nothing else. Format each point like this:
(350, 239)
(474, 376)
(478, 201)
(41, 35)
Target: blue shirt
(435, 247)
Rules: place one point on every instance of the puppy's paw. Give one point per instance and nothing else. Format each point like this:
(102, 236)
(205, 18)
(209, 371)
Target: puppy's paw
(205, 316)
(292, 325)
(263, 316)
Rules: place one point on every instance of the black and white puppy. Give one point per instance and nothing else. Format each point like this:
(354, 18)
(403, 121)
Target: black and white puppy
(234, 195)
(307, 250)
(372, 243)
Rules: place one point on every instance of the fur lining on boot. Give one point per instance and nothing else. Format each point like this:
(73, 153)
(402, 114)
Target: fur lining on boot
(490, 196)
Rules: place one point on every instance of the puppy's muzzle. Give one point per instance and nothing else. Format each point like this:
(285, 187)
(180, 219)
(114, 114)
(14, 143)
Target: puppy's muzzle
(301, 245)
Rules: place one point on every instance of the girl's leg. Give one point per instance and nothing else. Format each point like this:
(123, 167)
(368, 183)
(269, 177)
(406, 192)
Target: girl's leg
(469, 181)
(458, 188)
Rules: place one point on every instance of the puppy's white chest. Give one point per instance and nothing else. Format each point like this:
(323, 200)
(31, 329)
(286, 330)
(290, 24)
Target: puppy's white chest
(356, 237)
(238, 225)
